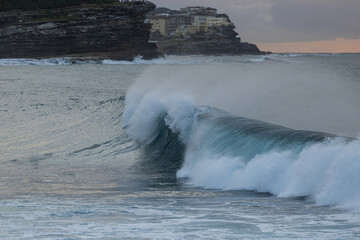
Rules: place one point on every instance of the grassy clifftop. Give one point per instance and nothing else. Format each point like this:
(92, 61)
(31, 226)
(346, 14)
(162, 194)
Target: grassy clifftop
(8, 5)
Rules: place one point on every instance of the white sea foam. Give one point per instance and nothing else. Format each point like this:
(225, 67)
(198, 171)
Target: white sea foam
(257, 59)
(137, 60)
(29, 61)
(143, 113)
(70, 61)
(168, 60)
(311, 54)
(328, 173)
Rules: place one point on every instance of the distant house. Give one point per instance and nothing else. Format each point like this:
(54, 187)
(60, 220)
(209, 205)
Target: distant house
(199, 10)
(178, 21)
(159, 24)
(217, 21)
(196, 30)
(187, 21)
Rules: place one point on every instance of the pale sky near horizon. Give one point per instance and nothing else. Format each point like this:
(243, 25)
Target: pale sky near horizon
(289, 25)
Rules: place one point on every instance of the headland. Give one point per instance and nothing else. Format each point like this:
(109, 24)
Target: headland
(113, 29)
(80, 28)
(196, 30)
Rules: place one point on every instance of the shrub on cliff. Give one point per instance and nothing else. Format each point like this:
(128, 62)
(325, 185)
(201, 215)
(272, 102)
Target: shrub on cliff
(6, 5)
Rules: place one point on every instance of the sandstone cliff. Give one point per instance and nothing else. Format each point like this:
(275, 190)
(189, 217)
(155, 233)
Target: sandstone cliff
(217, 41)
(196, 30)
(115, 31)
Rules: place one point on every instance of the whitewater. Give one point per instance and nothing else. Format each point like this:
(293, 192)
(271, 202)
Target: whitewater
(205, 147)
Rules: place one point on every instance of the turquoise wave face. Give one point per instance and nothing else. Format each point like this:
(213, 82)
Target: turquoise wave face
(213, 149)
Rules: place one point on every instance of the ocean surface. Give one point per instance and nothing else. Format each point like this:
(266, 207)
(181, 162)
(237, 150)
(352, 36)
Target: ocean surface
(216, 147)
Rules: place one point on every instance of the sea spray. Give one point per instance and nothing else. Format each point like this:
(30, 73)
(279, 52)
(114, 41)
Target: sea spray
(142, 121)
(227, 152)
(70, 170)
(327, 173)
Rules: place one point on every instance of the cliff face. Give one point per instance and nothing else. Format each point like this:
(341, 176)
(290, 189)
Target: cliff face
(115, 31)
(208, 47)
(218, 40)
(196, 30)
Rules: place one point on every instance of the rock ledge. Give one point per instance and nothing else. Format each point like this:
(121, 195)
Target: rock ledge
(115, 31)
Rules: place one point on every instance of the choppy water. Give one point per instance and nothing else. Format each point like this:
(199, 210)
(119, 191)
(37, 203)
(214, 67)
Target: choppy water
(118, 150)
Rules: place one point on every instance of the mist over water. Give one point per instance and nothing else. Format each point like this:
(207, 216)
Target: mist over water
(224, 151)
(249, 147)
(304, 92)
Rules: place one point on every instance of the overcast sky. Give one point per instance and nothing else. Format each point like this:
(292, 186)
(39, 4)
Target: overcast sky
(275, 21)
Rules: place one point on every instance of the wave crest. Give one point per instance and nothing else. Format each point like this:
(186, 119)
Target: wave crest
(223, 151)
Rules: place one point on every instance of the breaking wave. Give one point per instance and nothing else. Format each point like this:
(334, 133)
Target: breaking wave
(223, 151)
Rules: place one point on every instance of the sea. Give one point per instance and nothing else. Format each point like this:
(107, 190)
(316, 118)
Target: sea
(182, 147)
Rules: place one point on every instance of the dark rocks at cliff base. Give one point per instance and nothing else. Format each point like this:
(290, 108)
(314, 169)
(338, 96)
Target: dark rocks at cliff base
(207, 48)
(115, 31)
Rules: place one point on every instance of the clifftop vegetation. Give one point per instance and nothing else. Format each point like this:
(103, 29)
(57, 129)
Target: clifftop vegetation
(8, 5)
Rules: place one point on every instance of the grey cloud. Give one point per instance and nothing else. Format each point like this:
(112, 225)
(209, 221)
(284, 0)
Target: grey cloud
(286, 20)
(318, 19)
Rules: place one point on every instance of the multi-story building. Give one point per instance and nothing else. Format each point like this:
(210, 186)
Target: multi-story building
(211, 11)
(200, 21)
(217, 21)
(185, 30)
(199, 10)
(181, 31)
(187, 21)
(160, 24)
(177, 21)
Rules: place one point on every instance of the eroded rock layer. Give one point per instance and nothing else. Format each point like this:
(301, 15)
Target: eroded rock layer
(115, 31)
